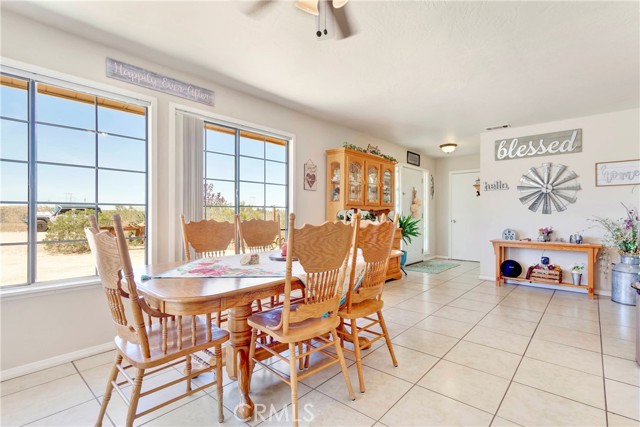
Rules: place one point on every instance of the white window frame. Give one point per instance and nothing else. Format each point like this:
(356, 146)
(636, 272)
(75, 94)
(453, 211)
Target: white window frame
(175, 168)
(48, 76)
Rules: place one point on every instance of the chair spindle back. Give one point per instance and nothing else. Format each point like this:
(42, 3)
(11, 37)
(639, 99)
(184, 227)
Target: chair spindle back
(323, 254)
(111, 255)
(375, 240)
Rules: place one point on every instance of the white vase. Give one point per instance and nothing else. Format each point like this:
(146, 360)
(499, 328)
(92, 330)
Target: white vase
(577, 278)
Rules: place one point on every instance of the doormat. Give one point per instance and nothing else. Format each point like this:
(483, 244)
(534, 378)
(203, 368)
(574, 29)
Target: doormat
(431, 266)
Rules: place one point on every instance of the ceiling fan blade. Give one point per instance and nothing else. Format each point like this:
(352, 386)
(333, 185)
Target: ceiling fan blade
(342, 22)
(309, 6)
(339, 3)
(259, 6)
(529, 197)
(536, 203)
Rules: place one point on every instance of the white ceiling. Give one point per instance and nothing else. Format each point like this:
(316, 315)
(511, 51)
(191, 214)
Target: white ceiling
(418, 73)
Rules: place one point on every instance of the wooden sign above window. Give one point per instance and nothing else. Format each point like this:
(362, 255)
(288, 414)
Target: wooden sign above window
(141, 77)
(546, 144)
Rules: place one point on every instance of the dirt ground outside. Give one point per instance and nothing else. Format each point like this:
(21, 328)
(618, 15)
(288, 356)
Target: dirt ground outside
(50, 267)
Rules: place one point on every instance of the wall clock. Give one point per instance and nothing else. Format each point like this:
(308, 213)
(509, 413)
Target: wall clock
(509, 234)
(548, 188)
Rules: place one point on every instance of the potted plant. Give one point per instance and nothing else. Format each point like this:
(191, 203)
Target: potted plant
(576, 273)
(410, 229)
(622, 234)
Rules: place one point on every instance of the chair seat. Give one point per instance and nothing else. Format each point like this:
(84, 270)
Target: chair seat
(131, 351)
(300, 331)
(361, 309)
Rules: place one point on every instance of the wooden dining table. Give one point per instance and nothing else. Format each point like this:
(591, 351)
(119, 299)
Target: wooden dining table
(188, 296)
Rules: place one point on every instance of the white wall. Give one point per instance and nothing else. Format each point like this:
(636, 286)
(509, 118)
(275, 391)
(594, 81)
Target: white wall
(605, 137)
(444, 167)
(32, 43)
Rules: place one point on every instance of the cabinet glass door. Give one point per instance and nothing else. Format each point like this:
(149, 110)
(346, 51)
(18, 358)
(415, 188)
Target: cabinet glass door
(373, 189)
(387, 186)
(356, 171)
(334, 185)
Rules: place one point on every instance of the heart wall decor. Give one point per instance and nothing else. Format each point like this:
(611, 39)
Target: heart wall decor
(310, 176)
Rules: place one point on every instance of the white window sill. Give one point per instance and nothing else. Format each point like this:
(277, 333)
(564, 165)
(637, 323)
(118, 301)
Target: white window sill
(20, 292)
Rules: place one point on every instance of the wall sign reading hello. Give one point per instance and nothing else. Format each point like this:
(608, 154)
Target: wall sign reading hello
(546, 144)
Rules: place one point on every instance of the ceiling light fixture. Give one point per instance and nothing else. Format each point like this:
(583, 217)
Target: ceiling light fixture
(449, 147)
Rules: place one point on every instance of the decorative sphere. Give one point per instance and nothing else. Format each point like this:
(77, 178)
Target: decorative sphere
(510, 268)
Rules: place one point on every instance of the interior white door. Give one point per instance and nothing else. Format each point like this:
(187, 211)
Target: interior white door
(464, 223)
(412, 180)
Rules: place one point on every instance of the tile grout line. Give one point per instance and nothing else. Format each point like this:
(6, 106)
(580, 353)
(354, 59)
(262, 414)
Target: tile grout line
(520, 362)
(604, 381)
(440, 359)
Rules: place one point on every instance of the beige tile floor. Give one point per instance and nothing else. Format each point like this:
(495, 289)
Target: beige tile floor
(469, 354)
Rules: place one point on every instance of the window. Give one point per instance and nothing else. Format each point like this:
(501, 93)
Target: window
(65, 154)
(245, 173)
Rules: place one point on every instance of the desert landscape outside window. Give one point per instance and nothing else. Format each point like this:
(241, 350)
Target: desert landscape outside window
(64, 154)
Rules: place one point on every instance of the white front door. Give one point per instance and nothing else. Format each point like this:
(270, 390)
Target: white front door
(464, 223)
(412, 185)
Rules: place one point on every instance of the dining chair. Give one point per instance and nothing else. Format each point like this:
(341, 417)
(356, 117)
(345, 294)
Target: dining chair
(161, 343)
(364, 297)
(259, 235)
(323, 252)
(206, 239)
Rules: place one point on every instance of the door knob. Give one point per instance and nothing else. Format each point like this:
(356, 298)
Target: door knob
(453, 221)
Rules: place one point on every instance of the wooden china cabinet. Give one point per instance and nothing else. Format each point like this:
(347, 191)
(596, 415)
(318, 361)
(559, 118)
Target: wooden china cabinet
(362, 181)
(358, 180)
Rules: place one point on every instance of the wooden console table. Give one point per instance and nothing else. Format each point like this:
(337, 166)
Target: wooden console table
(500, 248)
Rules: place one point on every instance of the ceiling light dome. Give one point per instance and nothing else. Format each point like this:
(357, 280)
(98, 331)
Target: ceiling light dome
(449, 147)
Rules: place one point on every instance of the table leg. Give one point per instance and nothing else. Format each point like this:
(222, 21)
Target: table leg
(238, 357)
(498, 252)
(591, 273)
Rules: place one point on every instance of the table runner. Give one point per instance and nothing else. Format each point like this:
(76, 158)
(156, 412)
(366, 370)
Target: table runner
(229, 266)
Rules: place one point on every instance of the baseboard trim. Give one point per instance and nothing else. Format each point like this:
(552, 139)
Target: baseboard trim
(30, 368)
(602, 292)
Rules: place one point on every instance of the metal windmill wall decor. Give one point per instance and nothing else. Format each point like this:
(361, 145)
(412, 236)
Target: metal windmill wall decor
(550, 187)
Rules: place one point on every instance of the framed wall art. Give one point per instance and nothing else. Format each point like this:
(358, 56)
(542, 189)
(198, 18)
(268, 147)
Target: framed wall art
(413, 158)
(310, 176)
(623, 172)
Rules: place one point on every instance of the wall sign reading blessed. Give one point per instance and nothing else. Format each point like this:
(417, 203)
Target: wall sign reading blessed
(624, 172)
(141, 77)
(546, 144)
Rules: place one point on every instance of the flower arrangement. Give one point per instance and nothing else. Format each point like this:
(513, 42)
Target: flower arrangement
(577, 267)
(550, 267)
(370, 149)
(622, 233)
(545, 230)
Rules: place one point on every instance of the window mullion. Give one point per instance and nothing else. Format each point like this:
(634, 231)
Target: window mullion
(32, 192)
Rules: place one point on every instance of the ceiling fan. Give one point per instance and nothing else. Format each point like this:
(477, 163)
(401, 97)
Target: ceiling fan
(313, 7)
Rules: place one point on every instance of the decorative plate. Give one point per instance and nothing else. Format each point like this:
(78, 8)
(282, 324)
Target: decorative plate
(549, 187)
(509, 234)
